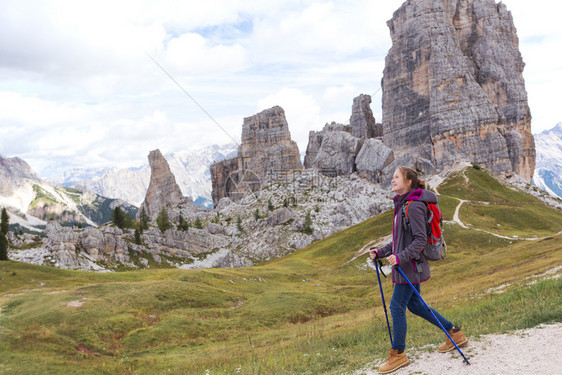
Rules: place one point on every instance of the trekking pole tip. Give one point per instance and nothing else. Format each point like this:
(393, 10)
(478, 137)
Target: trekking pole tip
(466, 361)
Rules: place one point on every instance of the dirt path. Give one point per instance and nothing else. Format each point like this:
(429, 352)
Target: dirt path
(458, 221)
(531, 351)
(456, 215)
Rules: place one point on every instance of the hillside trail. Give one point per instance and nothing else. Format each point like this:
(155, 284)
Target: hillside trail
(530, 351)
(456, 219)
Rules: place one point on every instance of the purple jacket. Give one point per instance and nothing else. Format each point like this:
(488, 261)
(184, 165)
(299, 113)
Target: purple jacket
(407, 244)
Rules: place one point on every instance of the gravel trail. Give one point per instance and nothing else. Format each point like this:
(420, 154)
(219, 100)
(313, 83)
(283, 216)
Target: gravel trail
(531, 351)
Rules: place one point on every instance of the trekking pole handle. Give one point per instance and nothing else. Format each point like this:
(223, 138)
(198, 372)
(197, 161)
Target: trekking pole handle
(377, 259)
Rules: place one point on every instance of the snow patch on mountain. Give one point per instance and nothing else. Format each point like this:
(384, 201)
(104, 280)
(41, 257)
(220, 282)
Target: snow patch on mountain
(548, 168)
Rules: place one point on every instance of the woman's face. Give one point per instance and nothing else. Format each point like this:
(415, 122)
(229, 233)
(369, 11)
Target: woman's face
(399, 184)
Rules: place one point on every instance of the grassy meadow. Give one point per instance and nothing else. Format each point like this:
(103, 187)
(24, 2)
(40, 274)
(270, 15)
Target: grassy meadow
(312, 312)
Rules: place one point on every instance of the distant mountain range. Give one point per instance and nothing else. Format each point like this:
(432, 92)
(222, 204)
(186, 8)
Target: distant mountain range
(190, 168)
(548, 169)
(87, 196)
(32, 202)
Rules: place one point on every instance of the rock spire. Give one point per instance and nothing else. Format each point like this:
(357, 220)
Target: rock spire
(266, 153)
(163, 191)
(453, 88)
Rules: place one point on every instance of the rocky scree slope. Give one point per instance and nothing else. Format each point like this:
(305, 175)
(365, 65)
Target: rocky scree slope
(259, 227)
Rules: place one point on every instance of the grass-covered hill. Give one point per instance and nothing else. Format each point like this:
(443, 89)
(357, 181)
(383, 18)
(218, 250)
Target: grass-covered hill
(312, 312)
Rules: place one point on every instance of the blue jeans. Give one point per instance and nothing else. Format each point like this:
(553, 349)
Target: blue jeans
(402, 297)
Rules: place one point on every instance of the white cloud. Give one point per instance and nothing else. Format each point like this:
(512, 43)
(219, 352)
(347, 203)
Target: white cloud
(76, 83)
(192, 54)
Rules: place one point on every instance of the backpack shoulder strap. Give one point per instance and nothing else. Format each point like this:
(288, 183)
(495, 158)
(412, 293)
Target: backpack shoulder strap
(406, 216)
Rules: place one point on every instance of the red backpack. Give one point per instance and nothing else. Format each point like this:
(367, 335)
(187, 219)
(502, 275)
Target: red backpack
(436, 248)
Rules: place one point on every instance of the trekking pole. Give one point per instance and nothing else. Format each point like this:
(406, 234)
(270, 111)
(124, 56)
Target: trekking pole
(431, 311)
(382, 294)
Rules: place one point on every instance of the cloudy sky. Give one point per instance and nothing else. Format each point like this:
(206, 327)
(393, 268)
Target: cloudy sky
(78, 86)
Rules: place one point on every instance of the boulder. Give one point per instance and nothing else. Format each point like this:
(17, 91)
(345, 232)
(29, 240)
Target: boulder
(337, 153)
(216, 229)
(371, 160)
(281, 216)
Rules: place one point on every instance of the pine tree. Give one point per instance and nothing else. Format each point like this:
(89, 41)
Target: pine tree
(4, 222)
(307, 224)
(3, 247)
(138, 240)
(118, 217)
(183, 224)
(163, 221)
(239, 224)
(128, 221)
(257, 214)
(197, 224)
(144, 220)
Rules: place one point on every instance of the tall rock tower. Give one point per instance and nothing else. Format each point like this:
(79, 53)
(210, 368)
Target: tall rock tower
(266, 154)
(453, 88)
(163, 191)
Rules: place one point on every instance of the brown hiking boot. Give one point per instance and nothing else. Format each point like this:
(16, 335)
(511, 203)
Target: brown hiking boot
(394, 361)
(457, 336)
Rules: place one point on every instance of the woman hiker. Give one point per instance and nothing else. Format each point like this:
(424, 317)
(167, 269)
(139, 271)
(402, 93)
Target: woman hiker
(405, 250)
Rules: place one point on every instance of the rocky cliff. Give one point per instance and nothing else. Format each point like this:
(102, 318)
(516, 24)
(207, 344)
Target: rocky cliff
(266, 154)
(340, 149)
(362, 121)
(453, 88)
(163, 191)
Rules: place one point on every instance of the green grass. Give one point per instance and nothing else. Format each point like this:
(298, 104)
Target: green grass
(308, 313)
(41, 195)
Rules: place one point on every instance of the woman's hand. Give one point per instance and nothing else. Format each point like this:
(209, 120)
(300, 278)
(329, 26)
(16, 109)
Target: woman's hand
(392, 260)
(373, 251)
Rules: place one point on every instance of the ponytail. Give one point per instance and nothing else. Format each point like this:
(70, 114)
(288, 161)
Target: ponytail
(412, 175)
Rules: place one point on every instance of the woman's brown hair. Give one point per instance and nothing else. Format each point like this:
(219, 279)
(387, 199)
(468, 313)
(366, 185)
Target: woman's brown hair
(412, 175)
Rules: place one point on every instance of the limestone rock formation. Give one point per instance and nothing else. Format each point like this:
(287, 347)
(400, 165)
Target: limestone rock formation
(107, 246)
(337, 153)
(334, 149)
(315, 139)
(373, 158)
(13, 174)
(177, 243)
(163, 191)
(222, 178)
(362, 122)
(453, 88)
(281, 216)
(266, 154)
